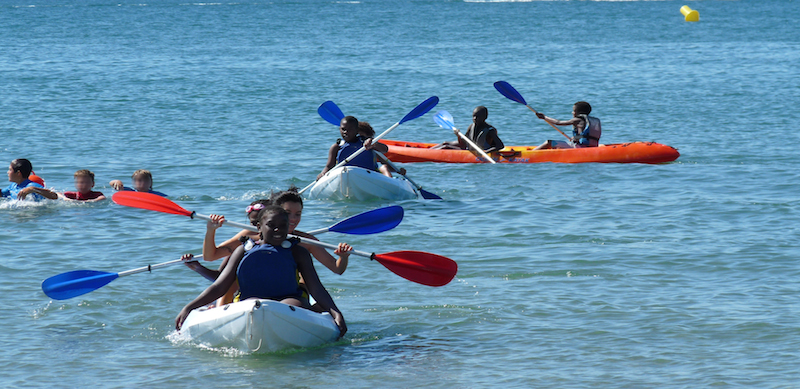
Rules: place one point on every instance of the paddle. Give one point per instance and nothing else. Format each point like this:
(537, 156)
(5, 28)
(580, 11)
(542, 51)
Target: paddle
(445, 120)
(370, 222)
(420, 267)
(365, 223)
(418, 111)
(79, 282)
(333, 115)
(510, 93)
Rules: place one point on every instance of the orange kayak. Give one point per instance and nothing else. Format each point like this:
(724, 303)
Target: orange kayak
(634, 152)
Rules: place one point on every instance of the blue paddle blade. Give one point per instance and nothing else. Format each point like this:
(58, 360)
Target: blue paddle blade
(371, 222)
(428, 195)
(421, 109)
(330, 112)
(509, 92)
(75, 283)
(444, 119)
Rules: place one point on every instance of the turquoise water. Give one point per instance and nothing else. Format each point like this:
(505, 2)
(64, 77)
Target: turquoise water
(675, 275)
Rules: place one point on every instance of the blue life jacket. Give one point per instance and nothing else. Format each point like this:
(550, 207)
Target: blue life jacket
(268, 272)
(364, 160)
(590, 136)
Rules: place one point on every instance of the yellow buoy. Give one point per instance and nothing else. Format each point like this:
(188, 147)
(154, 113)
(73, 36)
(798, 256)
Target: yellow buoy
(689, 14)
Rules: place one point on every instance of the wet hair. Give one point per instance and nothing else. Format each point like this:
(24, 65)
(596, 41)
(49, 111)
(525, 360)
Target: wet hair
(23, 166)
(84, 173)
(350, 119)
(583, 108)
(365, 129)
(143, 173)
(287, 196)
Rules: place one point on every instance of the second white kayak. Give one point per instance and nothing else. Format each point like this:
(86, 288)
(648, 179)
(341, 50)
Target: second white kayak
(355, 183)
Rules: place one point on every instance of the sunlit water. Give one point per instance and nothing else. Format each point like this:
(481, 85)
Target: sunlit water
(683, 274)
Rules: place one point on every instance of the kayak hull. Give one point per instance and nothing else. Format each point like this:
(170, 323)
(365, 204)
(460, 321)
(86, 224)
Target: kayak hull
(355, 183)
(634, 152)
(259, 326)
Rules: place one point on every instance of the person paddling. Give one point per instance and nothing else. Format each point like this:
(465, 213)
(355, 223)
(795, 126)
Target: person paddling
(483, 134)
(290, 201)
(366, 131)
(349, 144)
(268, 271)
(585, 129)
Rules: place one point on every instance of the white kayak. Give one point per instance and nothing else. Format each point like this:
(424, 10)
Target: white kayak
(355, 183)
(259, 326)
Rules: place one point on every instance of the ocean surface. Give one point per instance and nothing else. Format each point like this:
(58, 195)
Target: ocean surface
(685, 274)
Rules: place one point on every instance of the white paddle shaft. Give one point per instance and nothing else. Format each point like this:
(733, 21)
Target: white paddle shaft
(156, 266)
(352, 156)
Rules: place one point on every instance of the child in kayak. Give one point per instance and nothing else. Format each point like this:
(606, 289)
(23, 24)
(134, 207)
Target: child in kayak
(268, 271)
(586, 129)
(366, 131)
(84, 182)
(290, 201)
(19, 171)
(142, 182)
(349, 144)
(483, 134)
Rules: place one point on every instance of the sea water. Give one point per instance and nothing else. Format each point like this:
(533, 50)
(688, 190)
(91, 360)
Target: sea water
(588, 275)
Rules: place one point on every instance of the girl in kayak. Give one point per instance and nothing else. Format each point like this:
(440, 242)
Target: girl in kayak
(366, 131)
(483, 134)
(585, 129)
(290, 201)
(268, 271)
(349, 144)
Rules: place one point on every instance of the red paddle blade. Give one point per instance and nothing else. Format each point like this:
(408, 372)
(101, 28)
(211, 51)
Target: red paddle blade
(148, 201)
(420, 267)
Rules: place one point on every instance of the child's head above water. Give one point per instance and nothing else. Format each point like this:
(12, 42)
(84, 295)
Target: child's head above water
(84, 180)
(142, 180)
(21, 167)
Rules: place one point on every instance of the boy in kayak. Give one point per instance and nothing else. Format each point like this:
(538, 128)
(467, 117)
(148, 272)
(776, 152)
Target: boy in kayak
(269, 271)
(349, 144)
(366, 131)
(586, 129)
(142, 182)
(19, 172)
(480, 132)
(84, 182)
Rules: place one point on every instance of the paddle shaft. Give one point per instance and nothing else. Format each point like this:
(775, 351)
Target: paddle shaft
(352, 156)
(156, 266)
(396, 168)
(475, 147)
(551, 124)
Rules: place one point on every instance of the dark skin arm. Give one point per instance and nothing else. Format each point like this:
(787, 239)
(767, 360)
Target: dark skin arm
(216, 290)
(495, 141)
(315, 288)
(331, 160)
(209, 274)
